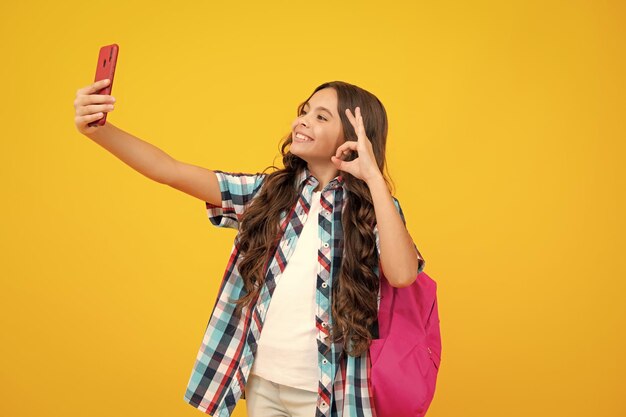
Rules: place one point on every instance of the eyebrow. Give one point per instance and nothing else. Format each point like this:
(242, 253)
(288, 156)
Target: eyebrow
(319, 107)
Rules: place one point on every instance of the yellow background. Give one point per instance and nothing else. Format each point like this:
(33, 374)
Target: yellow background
(506, 146)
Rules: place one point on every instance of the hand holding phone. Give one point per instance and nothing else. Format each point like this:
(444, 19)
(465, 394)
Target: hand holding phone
(105, 69)
(90, 106)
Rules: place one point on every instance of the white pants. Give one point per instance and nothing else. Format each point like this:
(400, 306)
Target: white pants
(268, 399)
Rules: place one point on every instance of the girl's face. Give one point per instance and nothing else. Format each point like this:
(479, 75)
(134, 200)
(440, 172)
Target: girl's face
(320, 124)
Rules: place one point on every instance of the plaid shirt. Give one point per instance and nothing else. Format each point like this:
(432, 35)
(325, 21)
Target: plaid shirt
(227, 352)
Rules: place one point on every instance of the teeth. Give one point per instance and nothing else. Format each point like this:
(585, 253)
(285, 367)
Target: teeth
(302, 137)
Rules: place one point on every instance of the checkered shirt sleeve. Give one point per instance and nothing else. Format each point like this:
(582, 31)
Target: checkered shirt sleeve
(238, 190)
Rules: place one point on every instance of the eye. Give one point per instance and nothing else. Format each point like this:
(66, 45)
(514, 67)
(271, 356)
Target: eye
(302, 112)
(322, 117)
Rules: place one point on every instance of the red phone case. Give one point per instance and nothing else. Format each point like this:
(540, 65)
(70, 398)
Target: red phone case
(107, 59)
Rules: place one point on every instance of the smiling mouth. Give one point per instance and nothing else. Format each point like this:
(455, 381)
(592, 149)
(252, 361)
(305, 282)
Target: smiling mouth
(299, 137)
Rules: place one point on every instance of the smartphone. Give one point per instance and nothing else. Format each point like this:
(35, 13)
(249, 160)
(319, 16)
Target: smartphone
(107, 59)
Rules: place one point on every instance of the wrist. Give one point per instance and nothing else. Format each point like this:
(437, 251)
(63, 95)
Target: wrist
(99, 132)
(375, 180)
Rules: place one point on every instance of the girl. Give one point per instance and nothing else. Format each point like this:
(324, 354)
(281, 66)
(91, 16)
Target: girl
(324, 227)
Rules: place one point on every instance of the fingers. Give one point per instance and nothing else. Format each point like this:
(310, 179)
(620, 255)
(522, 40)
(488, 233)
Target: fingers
(91, 106)
(84, 99)
(351, 118)
(359, 119)
(97, 86)
(88, 94)
(82, 110)
(88, 102)
(84, 120)
(356, 120)
(338, 162)
(345, 148)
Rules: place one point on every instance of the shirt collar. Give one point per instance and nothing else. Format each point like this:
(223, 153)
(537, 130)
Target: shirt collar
(306, 174)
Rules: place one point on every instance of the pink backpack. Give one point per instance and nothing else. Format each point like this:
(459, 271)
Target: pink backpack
(405, 359)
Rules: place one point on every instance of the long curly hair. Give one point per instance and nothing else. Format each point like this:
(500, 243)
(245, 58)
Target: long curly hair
(354, 294)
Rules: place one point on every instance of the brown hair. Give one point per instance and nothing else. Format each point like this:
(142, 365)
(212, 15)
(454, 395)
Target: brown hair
(354, 294)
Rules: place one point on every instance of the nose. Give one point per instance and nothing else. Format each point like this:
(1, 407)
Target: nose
(303, 120)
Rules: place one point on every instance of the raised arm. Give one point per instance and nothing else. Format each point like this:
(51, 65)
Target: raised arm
(196, 181)
(142, 156)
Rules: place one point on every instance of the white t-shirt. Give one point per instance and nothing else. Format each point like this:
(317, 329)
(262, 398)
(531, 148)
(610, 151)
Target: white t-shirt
(287, 349)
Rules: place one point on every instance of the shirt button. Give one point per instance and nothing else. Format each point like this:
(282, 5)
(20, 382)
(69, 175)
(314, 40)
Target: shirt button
(324, 324)
(324, 361)
(323, 404)
(325, 244)
(324, 285)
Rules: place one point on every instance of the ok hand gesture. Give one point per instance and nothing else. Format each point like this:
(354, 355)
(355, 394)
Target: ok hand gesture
(364, 166)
